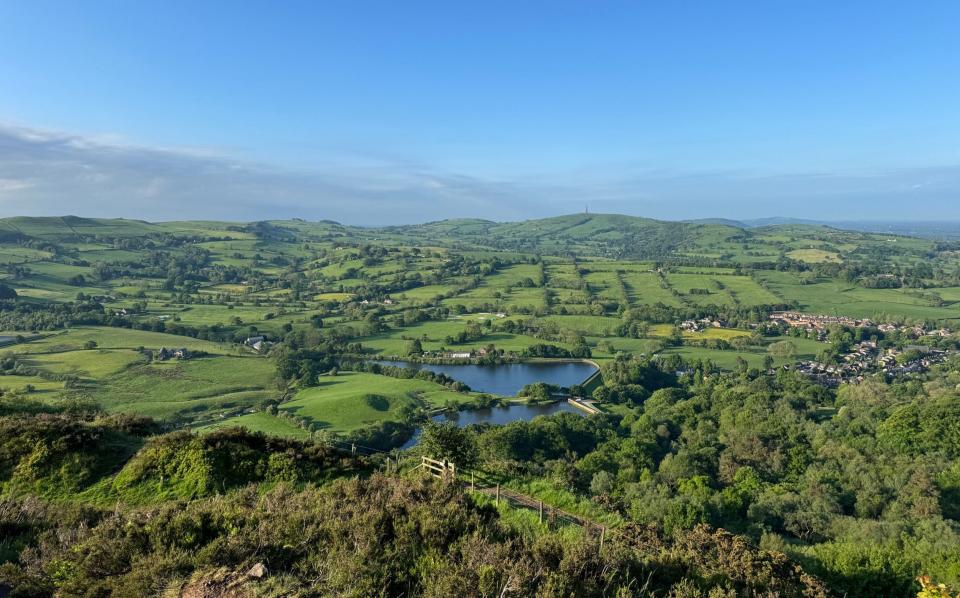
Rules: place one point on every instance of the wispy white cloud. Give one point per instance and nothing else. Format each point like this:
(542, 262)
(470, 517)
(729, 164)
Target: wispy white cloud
(52, 173)
(43, 172)
(8, 185)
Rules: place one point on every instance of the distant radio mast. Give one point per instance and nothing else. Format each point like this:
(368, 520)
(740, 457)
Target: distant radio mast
(586, 209)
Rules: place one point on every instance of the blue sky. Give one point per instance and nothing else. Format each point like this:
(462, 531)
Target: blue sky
(381, 112)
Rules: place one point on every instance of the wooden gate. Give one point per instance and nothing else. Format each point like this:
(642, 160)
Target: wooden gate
(443, 470)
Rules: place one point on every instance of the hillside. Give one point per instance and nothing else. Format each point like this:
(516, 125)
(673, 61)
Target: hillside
(610, 236)
(607, 235)
(193, 514)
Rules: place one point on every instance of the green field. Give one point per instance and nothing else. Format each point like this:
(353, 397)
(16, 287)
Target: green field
(262, 421)
(338, 403)
(195, 389)
(555, 281)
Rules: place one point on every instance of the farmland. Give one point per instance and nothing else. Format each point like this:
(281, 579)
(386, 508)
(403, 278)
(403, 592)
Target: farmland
(462, 286)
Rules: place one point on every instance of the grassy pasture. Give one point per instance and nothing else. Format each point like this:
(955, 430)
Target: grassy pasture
(261, 421)
(587, 325)
(22, 255)
(232, 288)
(837, 297)
(42, 388)
(665, 330)
(814, 256)
(88, 364)
(114, 338)
(505, 298)
(644, 288)
(562, 275)
(208, 315)
(747, 291)
(635, 346)
(393, 343)
(425, 293)
(754, 356)
(339, 297)
(337, 403)
(188, 389)
(109, 255)
(602, 284)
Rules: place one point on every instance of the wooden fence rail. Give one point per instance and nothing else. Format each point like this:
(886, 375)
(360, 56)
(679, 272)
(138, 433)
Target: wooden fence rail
(447, 471)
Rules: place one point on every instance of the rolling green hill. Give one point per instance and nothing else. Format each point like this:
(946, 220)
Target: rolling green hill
(588, 235)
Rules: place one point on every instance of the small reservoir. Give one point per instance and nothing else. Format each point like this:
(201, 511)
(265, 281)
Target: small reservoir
(507, 379)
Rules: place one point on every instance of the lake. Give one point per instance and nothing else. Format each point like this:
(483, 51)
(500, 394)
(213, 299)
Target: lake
(507, 379)
(498, 416)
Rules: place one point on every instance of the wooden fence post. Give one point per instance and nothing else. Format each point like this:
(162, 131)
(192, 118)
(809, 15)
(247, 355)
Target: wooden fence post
(603, 531)
(541, 511)
(498, 495)
(473, 482)
(353, 449)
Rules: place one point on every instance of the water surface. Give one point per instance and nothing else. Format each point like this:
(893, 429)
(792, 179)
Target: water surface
(498, 416)
(507, 379)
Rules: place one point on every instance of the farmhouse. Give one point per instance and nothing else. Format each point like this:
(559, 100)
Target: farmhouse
(261, 346)
(166, 354)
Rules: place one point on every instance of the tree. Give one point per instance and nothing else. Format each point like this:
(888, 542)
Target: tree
(782, 349)
(7, 292)
(602, 483)
(414, 347)
(447, 441)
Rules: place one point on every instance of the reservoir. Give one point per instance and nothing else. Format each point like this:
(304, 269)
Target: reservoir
(497, 416)
(507, 379)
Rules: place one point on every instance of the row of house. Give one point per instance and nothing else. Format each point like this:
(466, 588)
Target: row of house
(819, 322)
(796, 319)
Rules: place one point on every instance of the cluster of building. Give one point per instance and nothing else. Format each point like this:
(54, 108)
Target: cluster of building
(482, 352)
(701, 324)
(796, 319)
(386, 301)
(820, 323)
(866, 359)
(166, 354)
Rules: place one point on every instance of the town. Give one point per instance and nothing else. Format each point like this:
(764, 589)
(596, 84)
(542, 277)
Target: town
(869, 359)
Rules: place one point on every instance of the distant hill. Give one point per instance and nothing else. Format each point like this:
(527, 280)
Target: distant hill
(724, 221)
(75, 226)
(613, 236)
(781, 221)
(610, 235)
(924, 230)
